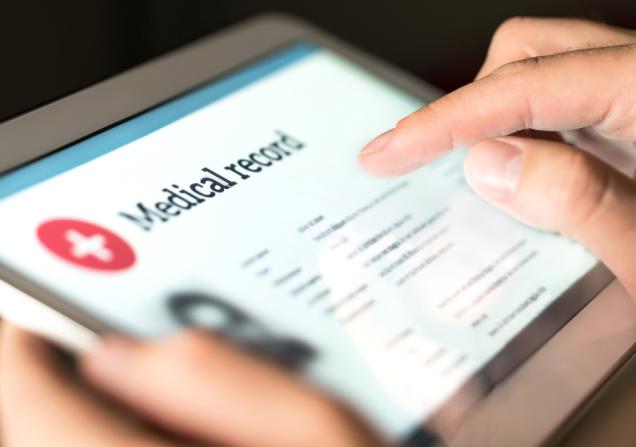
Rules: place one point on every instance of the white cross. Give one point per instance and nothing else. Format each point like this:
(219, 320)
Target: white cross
(83, 246)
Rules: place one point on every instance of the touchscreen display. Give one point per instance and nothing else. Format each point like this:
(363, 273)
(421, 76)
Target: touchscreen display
(240, 207)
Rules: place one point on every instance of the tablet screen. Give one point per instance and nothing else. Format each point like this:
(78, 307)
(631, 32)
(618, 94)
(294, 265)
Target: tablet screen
(239, 207)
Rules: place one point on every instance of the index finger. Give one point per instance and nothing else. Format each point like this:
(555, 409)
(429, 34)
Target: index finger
(591, 87)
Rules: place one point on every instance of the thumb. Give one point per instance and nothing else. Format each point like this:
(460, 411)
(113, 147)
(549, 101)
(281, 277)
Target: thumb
(558, 187)
(196, 385)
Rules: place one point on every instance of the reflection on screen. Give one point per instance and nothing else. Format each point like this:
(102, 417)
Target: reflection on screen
(240, 208)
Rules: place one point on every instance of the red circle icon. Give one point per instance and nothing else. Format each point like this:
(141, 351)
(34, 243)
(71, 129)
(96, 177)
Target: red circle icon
(86, 244)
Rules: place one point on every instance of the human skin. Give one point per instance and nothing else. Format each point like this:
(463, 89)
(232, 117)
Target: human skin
(197, 389)
(551, 75)
(544, 74)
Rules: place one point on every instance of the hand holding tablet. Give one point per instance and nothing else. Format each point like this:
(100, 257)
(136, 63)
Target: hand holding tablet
(190, 384)
(393, 294)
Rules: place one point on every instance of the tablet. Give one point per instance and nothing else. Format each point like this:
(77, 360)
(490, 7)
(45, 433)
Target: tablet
(218, 188)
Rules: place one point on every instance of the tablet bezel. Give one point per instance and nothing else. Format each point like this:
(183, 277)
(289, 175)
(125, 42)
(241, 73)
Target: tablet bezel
(75, 117)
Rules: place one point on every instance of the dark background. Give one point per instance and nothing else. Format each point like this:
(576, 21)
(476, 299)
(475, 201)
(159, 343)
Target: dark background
(50, 48)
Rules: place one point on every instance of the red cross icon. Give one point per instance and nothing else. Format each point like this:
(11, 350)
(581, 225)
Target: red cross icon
(86, 244)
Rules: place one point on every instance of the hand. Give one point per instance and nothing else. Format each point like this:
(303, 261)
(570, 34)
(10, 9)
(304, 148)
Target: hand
(547, 75)
(197, 390)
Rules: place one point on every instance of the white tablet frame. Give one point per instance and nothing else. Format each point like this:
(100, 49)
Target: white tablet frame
(75, 117)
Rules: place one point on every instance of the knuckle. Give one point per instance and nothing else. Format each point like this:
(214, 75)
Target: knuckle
(413, 120)
(510, 25)
(403, 122)
(584, 189)
(408, 123)
(433, 112)
(519, 68)
(511, 39)
(510, 28)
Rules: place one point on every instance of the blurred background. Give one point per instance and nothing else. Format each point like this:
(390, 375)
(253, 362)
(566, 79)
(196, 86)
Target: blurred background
(50, 49)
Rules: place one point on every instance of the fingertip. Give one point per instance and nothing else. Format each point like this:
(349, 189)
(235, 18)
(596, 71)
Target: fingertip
(417, 140)
(373, 157)
(378, 143)
(385, 156)
(389, 162)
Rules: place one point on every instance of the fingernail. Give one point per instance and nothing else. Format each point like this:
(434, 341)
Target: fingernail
(378, 143)
(493, 169)
(110, 356)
